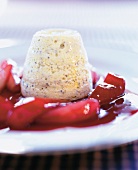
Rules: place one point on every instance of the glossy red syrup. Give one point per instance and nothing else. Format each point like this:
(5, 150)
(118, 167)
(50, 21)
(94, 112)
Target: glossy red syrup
(109, 102)
(118, 110)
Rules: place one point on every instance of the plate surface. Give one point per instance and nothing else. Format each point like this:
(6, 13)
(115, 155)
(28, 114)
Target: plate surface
(70, 140)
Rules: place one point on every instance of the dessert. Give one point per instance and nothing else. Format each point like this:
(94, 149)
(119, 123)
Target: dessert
(57, 88)
(107, 101)
(56, 66)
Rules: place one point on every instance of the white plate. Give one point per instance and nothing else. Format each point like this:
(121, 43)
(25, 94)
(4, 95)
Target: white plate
(68, 140)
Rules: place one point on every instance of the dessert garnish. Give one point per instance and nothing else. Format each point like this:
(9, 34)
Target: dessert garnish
(107, 101)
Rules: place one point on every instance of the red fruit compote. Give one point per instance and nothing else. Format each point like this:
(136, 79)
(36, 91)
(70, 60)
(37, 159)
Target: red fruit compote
(108, 101)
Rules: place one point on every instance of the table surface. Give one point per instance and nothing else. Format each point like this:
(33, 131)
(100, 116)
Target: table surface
(110, 24)
(119, 158)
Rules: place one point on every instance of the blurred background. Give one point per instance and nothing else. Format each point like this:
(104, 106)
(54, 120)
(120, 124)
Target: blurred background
(101, 22)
